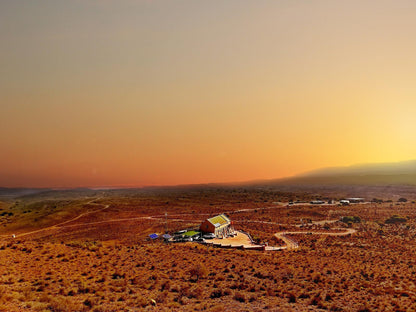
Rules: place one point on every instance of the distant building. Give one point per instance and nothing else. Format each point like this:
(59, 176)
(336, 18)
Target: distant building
(344, 202)
(219, 225)
(355, 200)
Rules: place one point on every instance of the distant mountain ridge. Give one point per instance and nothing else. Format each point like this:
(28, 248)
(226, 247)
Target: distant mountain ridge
(16, 191)
(403, 167)
(377, 174)
(380, 173)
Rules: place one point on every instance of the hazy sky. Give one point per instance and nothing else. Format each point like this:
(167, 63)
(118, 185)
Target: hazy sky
(135, 92)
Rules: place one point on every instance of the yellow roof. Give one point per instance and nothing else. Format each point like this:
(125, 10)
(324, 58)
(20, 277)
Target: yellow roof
(219, 220)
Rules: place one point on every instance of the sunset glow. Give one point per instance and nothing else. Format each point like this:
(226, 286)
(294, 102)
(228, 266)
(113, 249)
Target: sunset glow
(134, 93)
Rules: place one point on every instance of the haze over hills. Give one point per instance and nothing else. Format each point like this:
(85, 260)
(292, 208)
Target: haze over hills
(403, 167)
(350, 179)
(366, 174)
(15, 192)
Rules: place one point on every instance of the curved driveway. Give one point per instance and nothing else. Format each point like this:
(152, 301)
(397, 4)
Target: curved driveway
(291, 244)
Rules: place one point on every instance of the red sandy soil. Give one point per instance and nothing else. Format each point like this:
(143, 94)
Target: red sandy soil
(99, 258)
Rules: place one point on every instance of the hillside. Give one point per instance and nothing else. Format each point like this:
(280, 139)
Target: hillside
(400, 173)
(93, 253)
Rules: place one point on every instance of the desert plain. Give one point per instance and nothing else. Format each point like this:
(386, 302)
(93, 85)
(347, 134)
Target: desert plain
(90, 250)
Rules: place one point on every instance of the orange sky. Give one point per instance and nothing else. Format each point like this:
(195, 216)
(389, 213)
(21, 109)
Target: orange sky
(132, 93)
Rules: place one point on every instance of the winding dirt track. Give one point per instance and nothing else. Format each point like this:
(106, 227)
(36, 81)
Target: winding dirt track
(291, 244)
(62, 224)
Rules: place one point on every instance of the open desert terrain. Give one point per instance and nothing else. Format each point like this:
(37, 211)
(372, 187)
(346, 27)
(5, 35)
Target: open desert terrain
(207, 156)
(85, 250)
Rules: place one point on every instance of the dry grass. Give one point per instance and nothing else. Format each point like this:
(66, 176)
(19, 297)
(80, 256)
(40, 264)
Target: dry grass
(112, 266)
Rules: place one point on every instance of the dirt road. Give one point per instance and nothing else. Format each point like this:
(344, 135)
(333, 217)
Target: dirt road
(62, 224)
(291, 244)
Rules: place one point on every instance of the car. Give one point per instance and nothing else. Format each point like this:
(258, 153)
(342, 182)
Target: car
(209, 236)
(180, 232)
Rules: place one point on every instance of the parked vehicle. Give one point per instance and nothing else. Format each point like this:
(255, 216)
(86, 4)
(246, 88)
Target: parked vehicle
(209, 236)
(180, 232)
(317, 202)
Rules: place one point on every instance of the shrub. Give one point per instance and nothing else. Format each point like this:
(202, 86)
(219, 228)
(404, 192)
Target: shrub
(316, 277)
(216, 294)
(395, 219)
(291, 298)
(252, 298)
(316, 300)
(197, 272)
(351, 219)
(239, 297)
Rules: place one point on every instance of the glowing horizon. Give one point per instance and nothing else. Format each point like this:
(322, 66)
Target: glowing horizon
(136, 93)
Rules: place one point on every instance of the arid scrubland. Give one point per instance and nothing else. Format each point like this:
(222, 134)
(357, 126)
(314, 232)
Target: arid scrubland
(104, 261)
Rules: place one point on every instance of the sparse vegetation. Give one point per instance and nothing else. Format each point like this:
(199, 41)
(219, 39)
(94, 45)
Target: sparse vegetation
(112, 266)
(351, 219)
(396, 219)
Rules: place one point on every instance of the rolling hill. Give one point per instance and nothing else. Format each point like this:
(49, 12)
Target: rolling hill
(398, 173)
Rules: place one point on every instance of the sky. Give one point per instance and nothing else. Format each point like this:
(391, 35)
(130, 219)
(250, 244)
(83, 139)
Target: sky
(149, 92)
